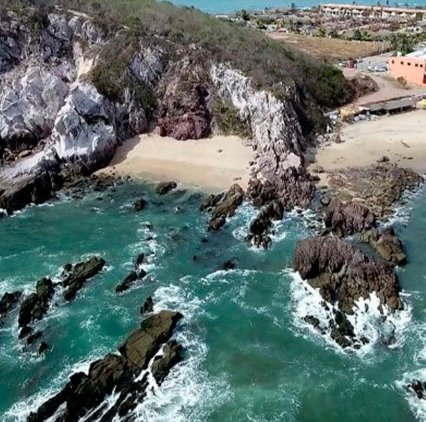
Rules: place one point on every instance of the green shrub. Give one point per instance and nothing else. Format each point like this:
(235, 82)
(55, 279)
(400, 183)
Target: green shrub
(228, 119)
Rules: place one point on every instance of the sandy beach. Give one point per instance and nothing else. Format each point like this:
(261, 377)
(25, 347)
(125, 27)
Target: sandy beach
(212, 164)
(401, 138)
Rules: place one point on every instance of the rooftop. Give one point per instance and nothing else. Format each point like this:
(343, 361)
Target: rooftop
(419, 54)
(382, 8)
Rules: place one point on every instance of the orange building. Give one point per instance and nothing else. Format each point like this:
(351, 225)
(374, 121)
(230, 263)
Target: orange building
(411, 67)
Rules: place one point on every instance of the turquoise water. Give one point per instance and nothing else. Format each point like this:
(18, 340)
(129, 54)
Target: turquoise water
(248, 355)
(227, 6)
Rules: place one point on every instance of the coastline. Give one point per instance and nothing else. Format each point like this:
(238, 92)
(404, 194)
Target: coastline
(212, 164)
(398, 139)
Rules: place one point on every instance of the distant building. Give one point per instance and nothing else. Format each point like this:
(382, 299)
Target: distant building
(371, 12)
(411, 67)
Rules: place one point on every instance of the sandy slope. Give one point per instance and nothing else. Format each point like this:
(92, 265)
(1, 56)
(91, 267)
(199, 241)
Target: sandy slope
(400, 137)
(213, 164)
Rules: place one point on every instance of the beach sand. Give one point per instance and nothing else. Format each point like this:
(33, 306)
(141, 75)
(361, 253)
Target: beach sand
(213, 164)
(401, 138)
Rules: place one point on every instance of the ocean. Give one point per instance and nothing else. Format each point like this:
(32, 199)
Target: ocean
(248, 354)
(228, 6)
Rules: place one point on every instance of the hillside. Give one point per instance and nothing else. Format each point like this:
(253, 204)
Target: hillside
(105, 71)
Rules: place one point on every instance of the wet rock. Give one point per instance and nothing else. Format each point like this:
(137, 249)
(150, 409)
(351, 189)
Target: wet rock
(387, 244)
(164, 188)
(418, 387)
(43, 348)
(342, 331)
(229, 265)
(35, 306)
(79, 276)
(259, 229)
(85, 392)
(344, 274)
(139, 205)
(8, 302)
(130, 279)
(140, 259)
(148, 306)
(346, 219)
(34, 337)
(315, 322)
(223, 206)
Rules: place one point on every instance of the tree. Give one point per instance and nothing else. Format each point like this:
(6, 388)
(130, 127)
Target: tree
(402, 43)
(357, 35)
(244, 15)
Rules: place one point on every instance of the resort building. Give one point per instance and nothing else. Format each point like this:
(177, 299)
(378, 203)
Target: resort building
(371, 12)
(411, 67)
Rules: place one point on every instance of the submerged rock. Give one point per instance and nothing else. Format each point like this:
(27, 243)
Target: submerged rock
(419, 388)
(164, 188)
(84, 393)
(80, 274)
(148, 306)
(344, 274)
(139, 205)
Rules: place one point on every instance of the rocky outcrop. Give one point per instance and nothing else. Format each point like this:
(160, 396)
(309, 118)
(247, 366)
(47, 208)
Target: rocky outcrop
(129, 280)
(387, 244)
(277, 136)
(85, 393)
(8, 302)
(343, 274)
(378, 187)
(347, 219)
(222, 206)
(35, 306)
(79, 275)
(164, 188)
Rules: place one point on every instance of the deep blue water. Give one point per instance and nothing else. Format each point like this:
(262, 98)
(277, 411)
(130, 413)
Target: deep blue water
(227, 6)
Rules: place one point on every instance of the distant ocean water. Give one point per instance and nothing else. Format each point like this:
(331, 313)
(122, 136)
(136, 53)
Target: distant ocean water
(227, 6)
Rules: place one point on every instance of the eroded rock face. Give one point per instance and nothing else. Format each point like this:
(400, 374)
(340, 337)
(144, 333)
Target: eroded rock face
(85, 392)
(184, 111)
(277, 135)
(344, 274)
(347, 219)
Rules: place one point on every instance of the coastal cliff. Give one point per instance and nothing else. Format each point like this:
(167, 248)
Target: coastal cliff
(73, 89)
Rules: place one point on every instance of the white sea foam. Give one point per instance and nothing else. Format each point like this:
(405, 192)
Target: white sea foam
(385, 327)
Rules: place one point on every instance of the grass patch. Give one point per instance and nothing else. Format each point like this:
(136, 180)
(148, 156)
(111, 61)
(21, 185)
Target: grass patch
(228, 119)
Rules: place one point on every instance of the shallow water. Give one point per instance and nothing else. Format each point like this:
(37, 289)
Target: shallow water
(248, 355)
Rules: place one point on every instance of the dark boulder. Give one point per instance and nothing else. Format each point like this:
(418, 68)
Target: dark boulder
(130, 279)
(223, 206)
(139, 205)
(35, 306)
(259, 230)
(229, 265)
(418, 387)
(344, 274)
(165, 187)
(43, 348)
(148, 306)
(8, 302)
(140, 259)
(80, 274)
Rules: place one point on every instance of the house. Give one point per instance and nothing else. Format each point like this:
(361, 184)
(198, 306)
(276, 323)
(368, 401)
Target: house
(411, 67)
